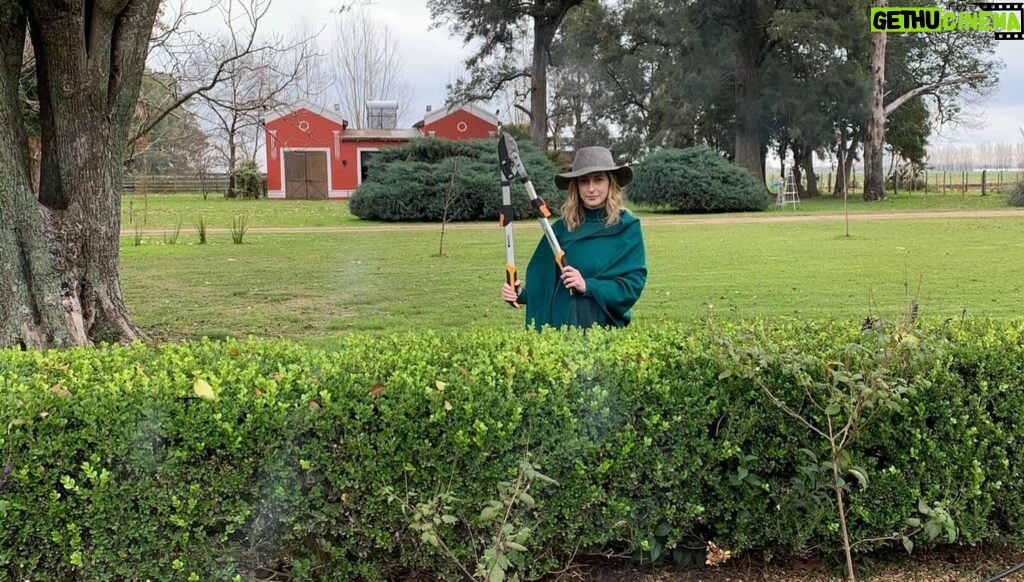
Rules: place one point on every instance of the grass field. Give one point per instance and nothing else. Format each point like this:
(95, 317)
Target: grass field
(161, 213)
(316, 285)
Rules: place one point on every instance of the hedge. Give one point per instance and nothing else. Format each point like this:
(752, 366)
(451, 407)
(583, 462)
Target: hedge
(212, 460)
(427, 177)
(696, 180)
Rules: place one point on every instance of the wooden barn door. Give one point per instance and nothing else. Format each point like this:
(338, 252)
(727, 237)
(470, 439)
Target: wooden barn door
(305, 175)
(316, 175)
(295, 175)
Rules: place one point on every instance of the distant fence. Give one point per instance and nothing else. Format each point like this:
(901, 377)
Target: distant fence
(170, 183)
(944, 181)
(166, 183)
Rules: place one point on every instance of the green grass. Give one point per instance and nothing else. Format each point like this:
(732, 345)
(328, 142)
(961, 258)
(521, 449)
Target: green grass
(319, 285)
(162, 212)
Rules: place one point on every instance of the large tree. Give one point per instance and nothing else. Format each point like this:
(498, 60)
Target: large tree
(949, 69)
(59, 253)
(497, 25)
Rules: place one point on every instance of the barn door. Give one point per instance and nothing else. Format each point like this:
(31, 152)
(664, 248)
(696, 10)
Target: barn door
(295, 175)
(316, 175)
(305, 175)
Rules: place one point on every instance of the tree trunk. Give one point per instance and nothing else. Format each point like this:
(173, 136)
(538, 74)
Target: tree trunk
(59, 255)
(748, 107)
(232, 155)
(807, 161)
(874, 170)
(543, 33)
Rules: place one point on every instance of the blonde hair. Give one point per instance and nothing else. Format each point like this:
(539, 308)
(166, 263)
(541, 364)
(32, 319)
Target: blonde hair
(573, 209)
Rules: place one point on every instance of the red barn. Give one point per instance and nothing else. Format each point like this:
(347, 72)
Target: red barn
(313, 155)
(466, 122)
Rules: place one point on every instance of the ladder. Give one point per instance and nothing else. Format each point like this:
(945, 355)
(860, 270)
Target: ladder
(788, 195)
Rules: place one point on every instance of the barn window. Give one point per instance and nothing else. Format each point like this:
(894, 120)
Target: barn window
(364, 158)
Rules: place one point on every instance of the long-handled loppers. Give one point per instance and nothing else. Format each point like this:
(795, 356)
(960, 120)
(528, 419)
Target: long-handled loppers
(512, 168)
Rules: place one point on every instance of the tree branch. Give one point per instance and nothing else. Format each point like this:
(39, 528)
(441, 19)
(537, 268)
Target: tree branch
(973, 78)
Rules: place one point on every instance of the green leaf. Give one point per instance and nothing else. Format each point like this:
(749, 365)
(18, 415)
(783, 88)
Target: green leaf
(449, 519)
(833, 409)
(489, 513)
(203, 390)
(515, 546)
(913, 522)
(862, 478)
(742, 473)
(16, 422)
(663, 530)
(496, 574)
(923, 507)
(527, 499)
(908, 544)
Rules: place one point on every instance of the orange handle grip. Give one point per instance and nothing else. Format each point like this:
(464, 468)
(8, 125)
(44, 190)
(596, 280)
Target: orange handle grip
(510, 278)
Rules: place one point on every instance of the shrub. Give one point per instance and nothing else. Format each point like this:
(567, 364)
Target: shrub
(696, 180)
(1016, 197)
(248, 180)
(415, 182)
(218, 458)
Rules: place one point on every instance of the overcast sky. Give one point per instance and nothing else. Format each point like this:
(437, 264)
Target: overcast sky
(433, 58)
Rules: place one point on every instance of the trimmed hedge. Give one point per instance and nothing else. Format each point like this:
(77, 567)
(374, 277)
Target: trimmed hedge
(696, 180)
(122, 470)
(416, 181)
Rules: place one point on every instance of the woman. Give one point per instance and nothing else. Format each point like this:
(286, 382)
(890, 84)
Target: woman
(606, 264)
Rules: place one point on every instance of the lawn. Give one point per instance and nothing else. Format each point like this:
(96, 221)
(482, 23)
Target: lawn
(161, 213)
(315, 285)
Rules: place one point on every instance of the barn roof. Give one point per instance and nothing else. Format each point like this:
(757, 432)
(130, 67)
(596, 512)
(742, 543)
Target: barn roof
(368, 134)
(320, 110)
(468, 108)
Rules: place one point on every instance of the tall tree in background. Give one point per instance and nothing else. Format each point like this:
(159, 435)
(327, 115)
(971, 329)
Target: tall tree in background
(59, 253)
(366, 65)
(497, 25)
(950, 68)
(874, 131)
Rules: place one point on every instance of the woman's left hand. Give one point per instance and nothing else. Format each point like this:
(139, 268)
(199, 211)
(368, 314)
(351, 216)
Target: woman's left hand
(572, 279)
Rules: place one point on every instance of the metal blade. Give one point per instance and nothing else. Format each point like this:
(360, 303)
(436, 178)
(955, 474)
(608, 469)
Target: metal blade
(509, 160)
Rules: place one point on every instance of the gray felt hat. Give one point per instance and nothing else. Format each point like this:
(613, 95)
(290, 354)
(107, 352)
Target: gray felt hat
(594, 159)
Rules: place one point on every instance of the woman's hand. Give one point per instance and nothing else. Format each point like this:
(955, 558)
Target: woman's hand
(509, 294)
(572, 279)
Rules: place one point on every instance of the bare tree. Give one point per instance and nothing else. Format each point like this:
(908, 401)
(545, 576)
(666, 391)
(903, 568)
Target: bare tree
(253, 84)
(202, 66)
(366, 65)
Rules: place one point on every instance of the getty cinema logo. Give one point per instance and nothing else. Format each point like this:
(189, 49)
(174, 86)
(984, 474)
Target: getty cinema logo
(1001, 18)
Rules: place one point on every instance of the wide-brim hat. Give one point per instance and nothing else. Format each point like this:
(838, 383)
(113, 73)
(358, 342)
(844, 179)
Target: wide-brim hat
(593, 159)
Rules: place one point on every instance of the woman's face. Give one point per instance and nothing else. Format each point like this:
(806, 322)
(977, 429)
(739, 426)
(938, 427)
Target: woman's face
(593, 190)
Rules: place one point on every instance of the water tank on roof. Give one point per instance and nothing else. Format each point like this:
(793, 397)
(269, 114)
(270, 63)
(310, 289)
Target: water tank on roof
(381, 114)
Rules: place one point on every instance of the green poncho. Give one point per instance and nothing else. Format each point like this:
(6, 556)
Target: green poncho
(611, 259)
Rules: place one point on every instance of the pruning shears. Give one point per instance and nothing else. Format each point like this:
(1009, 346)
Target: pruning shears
(512, 168)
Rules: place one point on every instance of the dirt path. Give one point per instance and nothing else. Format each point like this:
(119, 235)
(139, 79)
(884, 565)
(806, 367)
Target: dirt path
(667, 220)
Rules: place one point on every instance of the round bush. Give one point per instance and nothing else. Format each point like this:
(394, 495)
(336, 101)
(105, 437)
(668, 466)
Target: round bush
(696, 180)
(435, 179)
(248, 179)
(1017, 196)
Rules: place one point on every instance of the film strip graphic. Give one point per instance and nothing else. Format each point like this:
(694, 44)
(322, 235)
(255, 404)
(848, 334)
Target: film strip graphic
(1004, 7)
